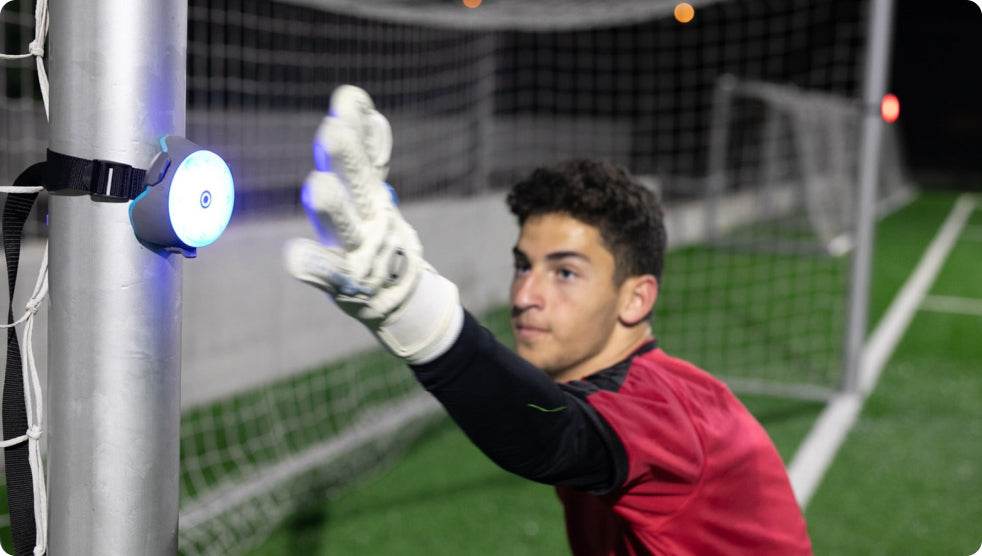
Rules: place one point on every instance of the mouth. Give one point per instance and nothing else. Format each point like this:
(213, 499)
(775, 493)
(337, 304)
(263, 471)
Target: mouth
(526, 332)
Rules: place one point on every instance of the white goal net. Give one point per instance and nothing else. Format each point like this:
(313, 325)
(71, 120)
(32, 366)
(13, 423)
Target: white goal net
(794, 154)
(761, 301)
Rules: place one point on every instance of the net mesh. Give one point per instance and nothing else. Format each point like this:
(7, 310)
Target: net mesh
(472, 108)
(476, 99)
(23, 125)
(260, 76)
(761, 301)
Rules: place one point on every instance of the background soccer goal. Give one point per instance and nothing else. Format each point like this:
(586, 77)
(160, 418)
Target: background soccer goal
(745, 120)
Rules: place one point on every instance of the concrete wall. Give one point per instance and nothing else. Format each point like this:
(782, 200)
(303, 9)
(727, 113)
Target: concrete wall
(247, 322)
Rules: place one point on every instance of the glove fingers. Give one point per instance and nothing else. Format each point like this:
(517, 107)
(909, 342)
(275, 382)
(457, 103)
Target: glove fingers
(349, 136)
(349, 162)
(354, 106)
(319, 266)
(378, 142)
(331, 212)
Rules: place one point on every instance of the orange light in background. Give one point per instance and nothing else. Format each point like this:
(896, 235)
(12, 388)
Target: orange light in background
(890, 108)
(684, 12)
(472, 3)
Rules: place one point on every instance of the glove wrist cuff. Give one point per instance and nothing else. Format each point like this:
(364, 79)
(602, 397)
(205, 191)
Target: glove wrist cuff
(427, 324)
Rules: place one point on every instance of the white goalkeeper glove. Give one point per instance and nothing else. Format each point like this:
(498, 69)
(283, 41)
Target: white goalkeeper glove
(370, 260)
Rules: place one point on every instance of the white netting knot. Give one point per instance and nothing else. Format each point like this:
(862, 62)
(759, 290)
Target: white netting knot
(36, 48)
(33, 305)
(35, 432)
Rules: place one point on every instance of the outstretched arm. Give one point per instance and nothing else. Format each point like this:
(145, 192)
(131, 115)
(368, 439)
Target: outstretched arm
(371, 262)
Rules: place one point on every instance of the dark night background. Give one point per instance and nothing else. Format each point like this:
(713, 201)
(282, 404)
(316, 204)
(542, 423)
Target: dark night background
(937, 74)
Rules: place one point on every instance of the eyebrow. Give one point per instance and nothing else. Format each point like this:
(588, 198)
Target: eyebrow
(556, 256)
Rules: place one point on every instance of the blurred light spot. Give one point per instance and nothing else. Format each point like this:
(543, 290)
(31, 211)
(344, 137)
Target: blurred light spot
(684, 12)
(890, 108)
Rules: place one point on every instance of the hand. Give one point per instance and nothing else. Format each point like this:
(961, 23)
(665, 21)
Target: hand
(369, 259)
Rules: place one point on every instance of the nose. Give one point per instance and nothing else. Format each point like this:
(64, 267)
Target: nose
(526, 292)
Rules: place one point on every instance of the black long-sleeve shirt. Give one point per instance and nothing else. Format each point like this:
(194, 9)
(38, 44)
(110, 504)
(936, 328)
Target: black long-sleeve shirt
(520, 418)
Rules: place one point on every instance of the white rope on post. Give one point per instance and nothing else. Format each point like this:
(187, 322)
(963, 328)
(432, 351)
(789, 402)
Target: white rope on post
(36, 48)
(34, 403)
(33, 397)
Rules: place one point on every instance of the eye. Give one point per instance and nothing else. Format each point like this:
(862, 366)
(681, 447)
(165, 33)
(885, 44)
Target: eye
(521, 268)
(565, 274)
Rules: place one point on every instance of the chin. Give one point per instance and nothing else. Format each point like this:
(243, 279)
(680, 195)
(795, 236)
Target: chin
(542, 364)
(528, 354)
(524, 354)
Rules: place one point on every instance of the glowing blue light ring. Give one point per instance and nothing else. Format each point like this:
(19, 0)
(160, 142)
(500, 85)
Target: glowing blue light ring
(201, 198)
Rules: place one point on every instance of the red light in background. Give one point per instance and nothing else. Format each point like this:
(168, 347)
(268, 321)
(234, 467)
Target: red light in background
(890, 108)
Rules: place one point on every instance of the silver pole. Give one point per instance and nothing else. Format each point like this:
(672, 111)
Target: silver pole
(875, 81)
(484, 163)
(718, 139)
(117, 84)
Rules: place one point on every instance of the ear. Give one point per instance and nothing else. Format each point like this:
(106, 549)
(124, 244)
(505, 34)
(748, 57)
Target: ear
(637, 298)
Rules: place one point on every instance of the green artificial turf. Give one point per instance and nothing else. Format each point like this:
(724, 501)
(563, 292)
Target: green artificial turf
(445, 499)
(908, 480)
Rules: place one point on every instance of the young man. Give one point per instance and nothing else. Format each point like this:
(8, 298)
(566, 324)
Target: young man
(649, 454)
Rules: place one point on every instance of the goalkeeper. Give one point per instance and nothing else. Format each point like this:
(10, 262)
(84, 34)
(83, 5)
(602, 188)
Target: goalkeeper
(649, 454)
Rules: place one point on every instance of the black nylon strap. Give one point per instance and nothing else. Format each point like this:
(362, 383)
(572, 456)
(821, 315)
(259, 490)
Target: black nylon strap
(101, 178)
(20, 486)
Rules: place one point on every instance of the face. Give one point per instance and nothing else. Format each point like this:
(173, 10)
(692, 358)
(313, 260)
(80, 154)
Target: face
(564, 301)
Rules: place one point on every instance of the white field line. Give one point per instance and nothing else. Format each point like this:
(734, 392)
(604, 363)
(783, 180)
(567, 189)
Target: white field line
(957, 305)
(820, 446)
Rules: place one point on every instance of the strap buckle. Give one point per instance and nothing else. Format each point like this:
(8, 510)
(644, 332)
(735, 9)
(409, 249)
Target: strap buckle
(113, 180)
(102, 179)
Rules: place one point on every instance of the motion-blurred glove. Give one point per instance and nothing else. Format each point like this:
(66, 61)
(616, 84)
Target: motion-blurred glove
(369, 259)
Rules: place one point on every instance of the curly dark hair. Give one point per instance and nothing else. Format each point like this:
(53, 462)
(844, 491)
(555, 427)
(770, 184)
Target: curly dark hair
(603, 195)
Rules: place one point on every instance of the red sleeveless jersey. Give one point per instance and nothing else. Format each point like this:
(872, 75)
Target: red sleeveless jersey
(702, 477)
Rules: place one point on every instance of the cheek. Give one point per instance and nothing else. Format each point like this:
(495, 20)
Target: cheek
(587, 314)
(602, 313)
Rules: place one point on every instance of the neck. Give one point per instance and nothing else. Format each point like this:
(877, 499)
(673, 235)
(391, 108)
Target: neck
(623, 343)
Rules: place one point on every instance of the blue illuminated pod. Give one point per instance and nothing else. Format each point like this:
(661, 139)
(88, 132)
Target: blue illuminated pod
(201, 198)
(189, 202)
